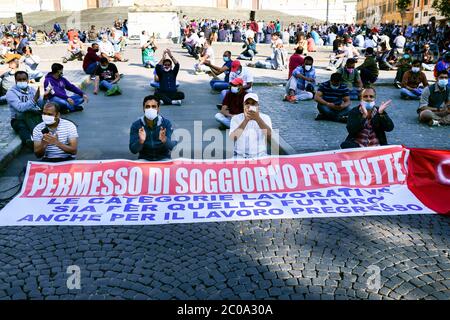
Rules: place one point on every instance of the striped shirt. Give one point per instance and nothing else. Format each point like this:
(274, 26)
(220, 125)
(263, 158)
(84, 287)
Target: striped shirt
(66, 130)
(335, 96)
(367, 137)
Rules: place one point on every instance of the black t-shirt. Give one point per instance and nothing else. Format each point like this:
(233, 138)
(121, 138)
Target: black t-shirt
(108, 74)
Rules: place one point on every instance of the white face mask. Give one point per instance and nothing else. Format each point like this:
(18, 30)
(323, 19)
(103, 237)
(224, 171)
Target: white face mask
(167, 69)
(368, 105)
(308, 67)
(48, 120)
(151, 113)
(415, 69)
(234, 89)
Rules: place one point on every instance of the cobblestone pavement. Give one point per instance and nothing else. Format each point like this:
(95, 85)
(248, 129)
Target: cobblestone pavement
(277, 259)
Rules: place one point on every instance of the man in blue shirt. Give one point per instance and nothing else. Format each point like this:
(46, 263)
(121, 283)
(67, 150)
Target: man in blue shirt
(217, 84)
(151, 134)
(167, 76)
(301, 84)
(333, 100)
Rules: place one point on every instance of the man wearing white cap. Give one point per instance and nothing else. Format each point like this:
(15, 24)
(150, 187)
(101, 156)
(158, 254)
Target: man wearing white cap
(250, 130)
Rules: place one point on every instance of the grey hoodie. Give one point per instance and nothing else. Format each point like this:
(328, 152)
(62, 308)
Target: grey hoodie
(20, 101)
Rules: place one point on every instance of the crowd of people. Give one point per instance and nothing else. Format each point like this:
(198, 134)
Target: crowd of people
(407, 51)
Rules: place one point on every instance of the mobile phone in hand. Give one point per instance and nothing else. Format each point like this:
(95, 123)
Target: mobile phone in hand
(45, 130)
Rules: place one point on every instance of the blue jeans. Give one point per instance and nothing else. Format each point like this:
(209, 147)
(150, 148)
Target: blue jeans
(105, 85)
(331, 114)
(64, 105)
(414, 95)
(91, 68)
(219, 85)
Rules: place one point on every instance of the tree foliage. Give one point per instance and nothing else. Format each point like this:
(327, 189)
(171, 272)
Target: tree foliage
(402, 5)
(442, 7)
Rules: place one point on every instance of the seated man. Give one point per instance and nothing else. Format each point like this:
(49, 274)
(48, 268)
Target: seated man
(333, 100)
(301, 85)
(25, 106)
(74, 50)
(7, 79)
(427, 58)
(295, 60)
(411, 82)
(232, 104)
(55, 86)
(191, 43)
(250, 50)
(107, 50)
(434, 108)
(207, 55)
(367, 124)
(250, 130)
(150, 135)
(403, 65)
(351, 78)
(92, 59)
(443, 64)
(237, 71)
(369, 69)
(217, 84)
(55, 139)
(148, 48)
(106, 78)
(167, 91)
(31, 63)
(155, 82)
(386, 58)
(278, 60)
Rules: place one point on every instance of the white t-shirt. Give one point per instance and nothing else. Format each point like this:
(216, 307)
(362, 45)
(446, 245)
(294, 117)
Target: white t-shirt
(210, 54)
(400, 41)
(66, 130)
(369, 43)
(106, 48)
(252, 142)
(245, 75)
(249, 34)
(117, 35)
(193, 39)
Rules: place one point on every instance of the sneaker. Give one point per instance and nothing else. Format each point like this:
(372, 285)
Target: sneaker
(111, 91)
(161, 102)
(78, 108)
(343, 119)
(434, 123)
(176, 102)
(321, 116)
(397, 85)
(219, 106)
(291, 99)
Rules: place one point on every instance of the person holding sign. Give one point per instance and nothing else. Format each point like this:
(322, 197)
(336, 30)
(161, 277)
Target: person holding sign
(367, 124)
(250, 130)
(150, 135)
(55, 139)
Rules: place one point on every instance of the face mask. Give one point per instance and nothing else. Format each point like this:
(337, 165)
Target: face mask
(234, 89)
(48, 120)
(167, 69)
(350, 70)
(104, 67)
(415, 69)
(22, 85)
(368, 105)
(226, 59)
(406, 56)
(442, 82)
(308, 67)
(334, 87)
(151, 113)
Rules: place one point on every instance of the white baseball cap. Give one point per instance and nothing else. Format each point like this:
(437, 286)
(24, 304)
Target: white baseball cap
(253, 96)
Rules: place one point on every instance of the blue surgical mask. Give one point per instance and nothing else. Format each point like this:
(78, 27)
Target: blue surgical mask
(22, 85)
(368, 105)
(226, 59)
(442, 83)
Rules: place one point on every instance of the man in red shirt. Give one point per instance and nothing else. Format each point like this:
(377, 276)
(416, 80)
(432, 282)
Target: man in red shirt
(295, 60)
(233, 103)
(254, 26)
(91, 59)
